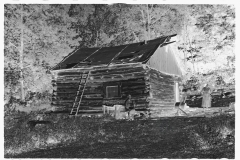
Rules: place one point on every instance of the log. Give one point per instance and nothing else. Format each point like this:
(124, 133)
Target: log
(90, 111)
(117, 79)
(71, 101)
(82, 107)
(118, 72)
(74, 93)
(157, 107)
(98, 69)
(94, 77)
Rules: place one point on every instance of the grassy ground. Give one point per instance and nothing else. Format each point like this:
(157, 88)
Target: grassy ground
(104, 137)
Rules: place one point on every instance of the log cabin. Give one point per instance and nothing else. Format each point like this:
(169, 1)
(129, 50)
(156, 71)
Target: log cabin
(89, 78)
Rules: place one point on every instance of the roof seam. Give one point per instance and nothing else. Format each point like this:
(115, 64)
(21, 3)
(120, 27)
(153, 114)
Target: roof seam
(161, 45)
(88, 56)
(117, 54)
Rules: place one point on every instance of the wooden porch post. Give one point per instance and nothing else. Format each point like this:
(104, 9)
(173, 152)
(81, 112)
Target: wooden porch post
(176, 91)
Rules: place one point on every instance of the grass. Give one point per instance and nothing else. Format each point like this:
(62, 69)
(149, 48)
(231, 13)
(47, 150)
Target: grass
(104, 137)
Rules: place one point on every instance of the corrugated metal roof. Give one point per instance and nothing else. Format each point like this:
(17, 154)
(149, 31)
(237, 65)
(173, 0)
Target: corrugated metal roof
(135, 52)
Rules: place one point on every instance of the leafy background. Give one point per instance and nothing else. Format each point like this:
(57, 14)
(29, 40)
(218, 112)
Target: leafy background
(38, 36)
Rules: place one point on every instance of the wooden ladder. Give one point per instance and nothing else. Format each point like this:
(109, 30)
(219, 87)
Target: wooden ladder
(81, 88)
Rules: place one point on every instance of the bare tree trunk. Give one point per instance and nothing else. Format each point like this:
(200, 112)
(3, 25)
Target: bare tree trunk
(21, 59)
(185, 40)
(135, 36)
(193, 63)
(96, 43)
(190, 46)
(145, 27)
(148, 22)
(65, 32)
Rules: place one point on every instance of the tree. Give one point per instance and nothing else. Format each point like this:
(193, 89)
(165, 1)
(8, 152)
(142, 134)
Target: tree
(207, 33)
(145, 21)
(99, 26)
(36, 38)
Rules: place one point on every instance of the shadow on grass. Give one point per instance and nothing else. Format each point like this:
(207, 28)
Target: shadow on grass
(164, 138)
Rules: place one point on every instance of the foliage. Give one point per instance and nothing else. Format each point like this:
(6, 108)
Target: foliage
(43, 34)
(208, 32)
(192, 83)
(144, 22)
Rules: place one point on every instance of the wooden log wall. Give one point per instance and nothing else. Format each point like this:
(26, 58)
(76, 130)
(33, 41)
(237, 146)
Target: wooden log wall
(131, 79)
(161, 90)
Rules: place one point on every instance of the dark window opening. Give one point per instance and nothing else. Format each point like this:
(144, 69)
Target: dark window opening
(112, 91)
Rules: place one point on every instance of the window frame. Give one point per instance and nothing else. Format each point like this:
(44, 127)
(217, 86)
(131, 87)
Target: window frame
(116, 84)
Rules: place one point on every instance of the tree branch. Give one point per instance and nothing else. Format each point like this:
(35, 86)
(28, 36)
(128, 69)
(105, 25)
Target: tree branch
(151, 8)
(156, 20)
(136, 38)
(160, 17)
(143, 16)
(148, 23)
(11, 44)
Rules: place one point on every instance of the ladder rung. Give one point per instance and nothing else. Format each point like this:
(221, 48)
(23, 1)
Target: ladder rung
(84, 76)
(81, 86)
(76, 102)
(79, 89)
(78, 95)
